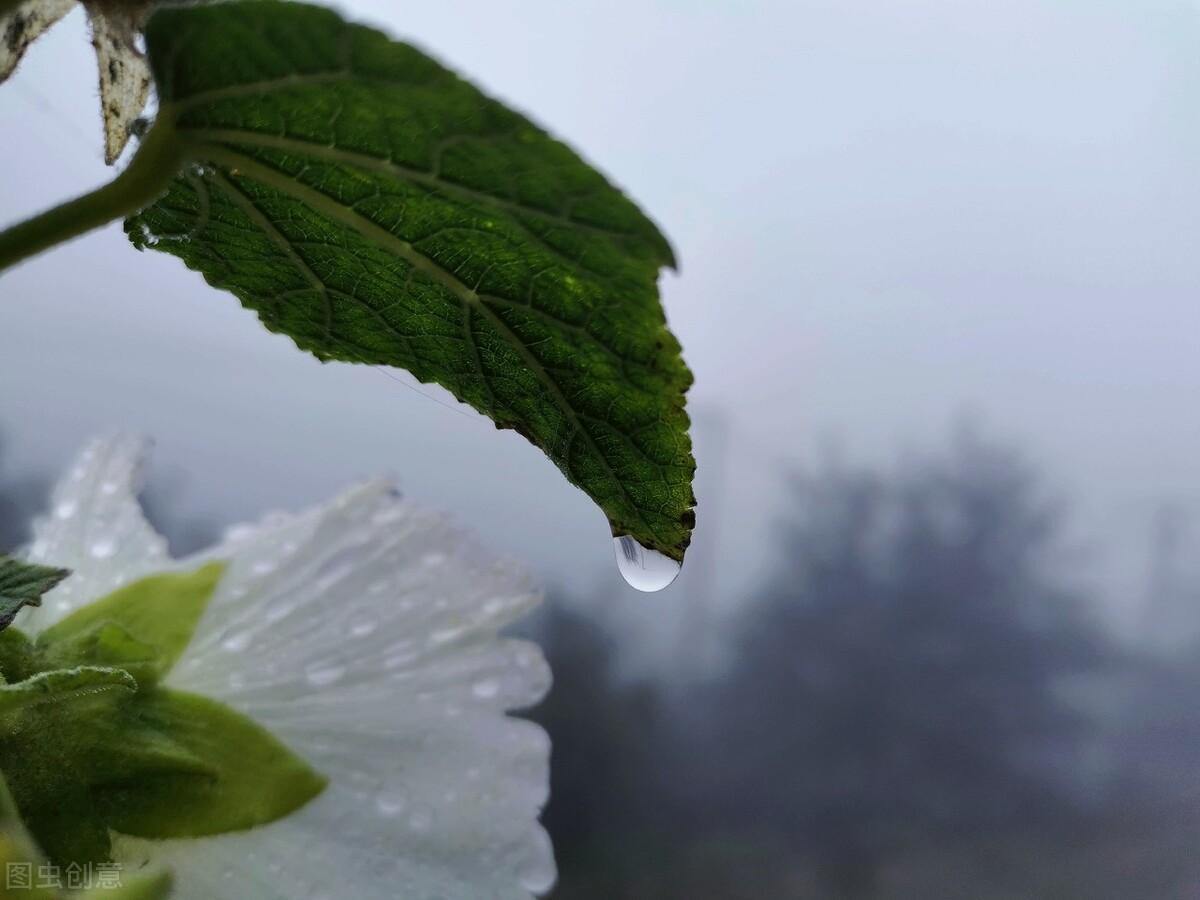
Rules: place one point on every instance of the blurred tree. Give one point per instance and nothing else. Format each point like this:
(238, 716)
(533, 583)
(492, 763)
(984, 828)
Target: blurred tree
(604, 730)
(898, 679)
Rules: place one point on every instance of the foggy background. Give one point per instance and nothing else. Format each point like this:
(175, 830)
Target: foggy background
(936, 636)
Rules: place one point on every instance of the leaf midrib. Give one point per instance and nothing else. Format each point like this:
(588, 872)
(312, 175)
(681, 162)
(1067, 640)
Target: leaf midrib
(222, 155)
(388, 166)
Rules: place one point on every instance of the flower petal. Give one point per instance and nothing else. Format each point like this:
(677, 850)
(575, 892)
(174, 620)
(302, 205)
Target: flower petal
(25, 24)
(96, 529)
(364, 635)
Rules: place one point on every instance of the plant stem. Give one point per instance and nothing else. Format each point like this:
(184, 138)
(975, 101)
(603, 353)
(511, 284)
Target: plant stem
(157, 161)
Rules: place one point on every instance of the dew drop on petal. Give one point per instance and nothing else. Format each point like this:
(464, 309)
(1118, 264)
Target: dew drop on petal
(390, 514)
(644, 569)
(104, 548)
(323, 674)
(360, 626)
(486, 689)
(66, 509)
(263, 567)
(280, 609)
(239, 532)
(391, 800)
(421, 820)
(236, 642)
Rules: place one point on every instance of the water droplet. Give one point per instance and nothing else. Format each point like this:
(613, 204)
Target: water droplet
(263, 567)
(444, 636)
(66, 509)
(421, 820)
(237, 642)
(643, 568)
(323, 674)
(108, 488)
(390, 514)
(361, 625)
(104, 548)
(536, 871)
(280, 609)
(239, 532)
(391, 800)
(486, 689)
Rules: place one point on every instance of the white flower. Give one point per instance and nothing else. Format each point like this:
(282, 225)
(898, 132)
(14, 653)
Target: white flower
(363, 634)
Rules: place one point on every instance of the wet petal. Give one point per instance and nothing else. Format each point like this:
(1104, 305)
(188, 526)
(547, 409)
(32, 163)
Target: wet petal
(364, 636)
(95, 528)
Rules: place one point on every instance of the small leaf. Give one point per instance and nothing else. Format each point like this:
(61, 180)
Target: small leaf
(23, 584)
(51, 726)
(157, 614)
(20, 861)
(376, 208)
(86, 752)
(155, 886)
(251, 777)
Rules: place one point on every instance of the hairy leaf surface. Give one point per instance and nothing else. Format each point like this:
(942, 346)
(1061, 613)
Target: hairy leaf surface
(377, 208)
(23, 584)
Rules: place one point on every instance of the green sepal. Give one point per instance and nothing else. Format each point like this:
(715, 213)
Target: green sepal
(52, 725)
(91, 743)
(156, 615)
(20, 857)
(251, 777)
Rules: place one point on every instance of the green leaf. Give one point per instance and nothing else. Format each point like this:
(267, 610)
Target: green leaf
(144, 625)
(51, 727)
(85, 752)
(23, 584)
(141, 887)
(90, 743)
(376, 208)
(251, 777)
(20, 859)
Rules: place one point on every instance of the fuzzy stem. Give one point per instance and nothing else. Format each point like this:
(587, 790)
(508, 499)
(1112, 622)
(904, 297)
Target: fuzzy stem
(158, 159)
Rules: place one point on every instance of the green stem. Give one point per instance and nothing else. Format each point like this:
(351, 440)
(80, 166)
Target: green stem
(158, 159)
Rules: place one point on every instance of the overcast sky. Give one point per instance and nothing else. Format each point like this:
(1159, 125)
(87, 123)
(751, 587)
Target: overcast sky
(887, 213)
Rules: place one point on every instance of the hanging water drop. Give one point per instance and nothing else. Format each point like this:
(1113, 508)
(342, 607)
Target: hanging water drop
(643, 568)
